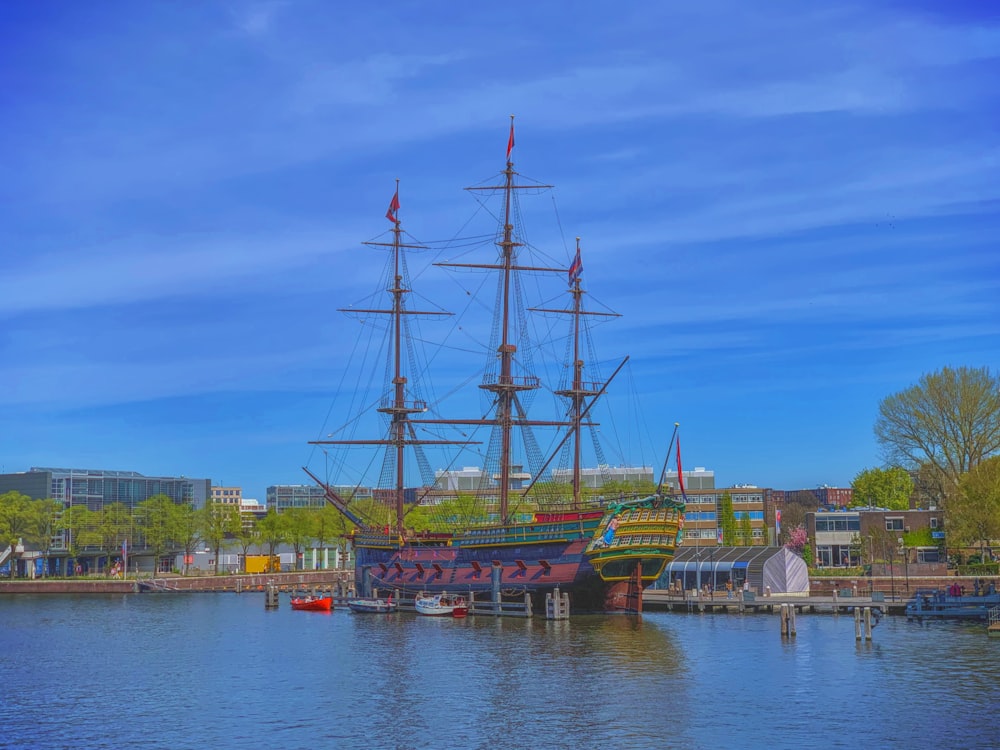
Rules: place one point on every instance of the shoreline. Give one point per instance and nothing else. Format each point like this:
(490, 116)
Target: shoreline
(322, 579)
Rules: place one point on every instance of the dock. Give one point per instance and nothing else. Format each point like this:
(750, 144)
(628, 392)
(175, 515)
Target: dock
(662, 600)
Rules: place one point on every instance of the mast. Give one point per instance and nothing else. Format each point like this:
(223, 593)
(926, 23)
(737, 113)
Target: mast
(507, 410)
(579, 390)
(400, 434)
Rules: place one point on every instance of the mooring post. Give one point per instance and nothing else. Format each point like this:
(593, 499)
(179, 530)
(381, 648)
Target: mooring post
(271, 596)
(495, 574)
(868, 623)
(857, 624)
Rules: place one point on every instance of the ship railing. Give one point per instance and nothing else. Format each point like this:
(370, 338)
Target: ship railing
(409, 406)
(520, 381)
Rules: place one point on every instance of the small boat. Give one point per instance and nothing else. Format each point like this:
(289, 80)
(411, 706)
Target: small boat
(313, 603)
(441, 605)
(372, 605)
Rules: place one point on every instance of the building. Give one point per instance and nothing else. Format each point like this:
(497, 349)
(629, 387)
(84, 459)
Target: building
(698, 479)
(703, 516)
(821, 497)
(94, 489)
(472, 478)
(598, 477)
(282, 497)
(849, 537)
(252, 509)
(760, 570)
(227, 495)
(97, 488)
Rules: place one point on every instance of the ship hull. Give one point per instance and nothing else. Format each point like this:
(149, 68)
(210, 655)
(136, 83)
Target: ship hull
(553, 553)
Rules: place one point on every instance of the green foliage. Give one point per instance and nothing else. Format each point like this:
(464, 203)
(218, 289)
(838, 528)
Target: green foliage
(273, 530)
(185, 529)
(155, 518)
(745, 534)
(727, 519)
(247, 536)
(950, 419)
(973, 513)
(882, 488)
(300, 529)
(80, 525)
(218, 523)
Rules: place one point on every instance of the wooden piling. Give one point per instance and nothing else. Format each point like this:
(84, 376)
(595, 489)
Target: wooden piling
(271, 597)
(556, 605)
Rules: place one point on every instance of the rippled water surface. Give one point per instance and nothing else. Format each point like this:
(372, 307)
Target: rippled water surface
(219, 671)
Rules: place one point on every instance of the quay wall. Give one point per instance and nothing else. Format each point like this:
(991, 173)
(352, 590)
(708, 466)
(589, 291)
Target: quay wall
(302, 579)
(901, 586)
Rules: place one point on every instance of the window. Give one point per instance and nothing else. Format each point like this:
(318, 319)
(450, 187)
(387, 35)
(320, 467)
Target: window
(894, 524)
(934, 523)
(928, 555)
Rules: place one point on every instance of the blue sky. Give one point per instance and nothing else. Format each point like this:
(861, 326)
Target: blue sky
(794, 207)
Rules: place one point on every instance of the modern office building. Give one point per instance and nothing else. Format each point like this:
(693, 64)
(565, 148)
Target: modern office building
(283, 497)
(698, 479)
(95, 488)
(472, 478)
(596, 478)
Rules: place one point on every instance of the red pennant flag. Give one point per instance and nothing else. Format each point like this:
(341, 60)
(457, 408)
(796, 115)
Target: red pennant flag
(510, 140)
(393, 208)
(680, 472)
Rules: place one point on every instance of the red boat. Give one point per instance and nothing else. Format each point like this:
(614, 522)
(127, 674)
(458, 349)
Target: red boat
(313, 603)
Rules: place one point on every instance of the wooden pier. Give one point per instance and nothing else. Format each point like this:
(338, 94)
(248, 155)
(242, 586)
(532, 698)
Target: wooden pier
(747, 603)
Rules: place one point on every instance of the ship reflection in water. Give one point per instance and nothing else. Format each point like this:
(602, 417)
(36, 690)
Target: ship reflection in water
(220, 671)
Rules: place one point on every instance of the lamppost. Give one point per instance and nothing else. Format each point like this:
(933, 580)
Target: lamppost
(892, 572)
(906, 563)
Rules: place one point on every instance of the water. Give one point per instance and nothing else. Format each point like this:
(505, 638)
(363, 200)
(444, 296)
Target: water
(219, 671)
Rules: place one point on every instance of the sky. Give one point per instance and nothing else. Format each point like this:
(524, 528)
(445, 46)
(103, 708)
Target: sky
(794, 207)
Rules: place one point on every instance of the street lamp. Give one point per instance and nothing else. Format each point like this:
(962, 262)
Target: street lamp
(906, 563)
(892, 572)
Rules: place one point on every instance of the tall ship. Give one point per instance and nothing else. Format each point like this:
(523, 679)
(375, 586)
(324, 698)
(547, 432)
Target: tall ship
(523, 522)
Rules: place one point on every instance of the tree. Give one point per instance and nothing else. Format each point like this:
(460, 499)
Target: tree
(882, 488)
(930, 486)
(951, 420)
(82, 529)
(44, 525)
(793, 516)
(154, 518)
(973, 515)
(745, 532)
(727, 519)
(300, 529)
(330, 524)
(114, 524)
(273, 530)
(185, 529)
(247, 536)
(797, 539)
(15, 522)
(219, 522)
